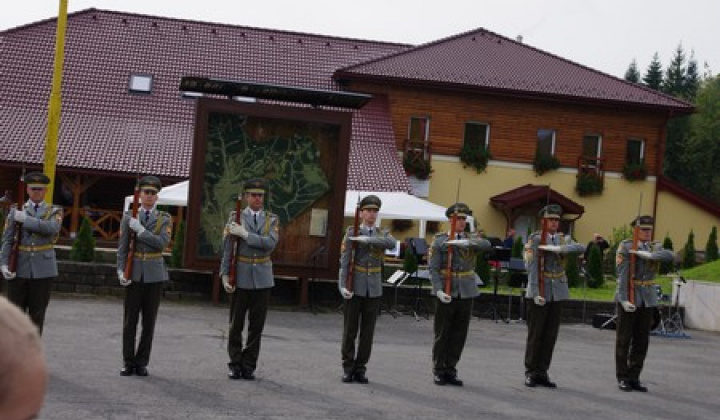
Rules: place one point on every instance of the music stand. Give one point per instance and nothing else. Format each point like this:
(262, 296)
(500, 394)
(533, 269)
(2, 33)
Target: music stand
(419, 248)
(518, 278)
(397, 279)
(496, 254)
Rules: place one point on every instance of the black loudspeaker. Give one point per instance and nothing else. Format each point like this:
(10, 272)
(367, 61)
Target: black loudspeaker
(604, 320)
(417, 245)
(517, 280)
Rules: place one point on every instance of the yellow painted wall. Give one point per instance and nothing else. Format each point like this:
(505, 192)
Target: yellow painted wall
(615, 207)
(675, 217)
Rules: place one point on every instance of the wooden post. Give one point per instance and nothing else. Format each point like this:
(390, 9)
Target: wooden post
(303, 291)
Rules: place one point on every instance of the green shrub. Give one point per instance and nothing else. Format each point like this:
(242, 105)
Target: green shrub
(176, 259)
(482, 268)
(667, 266)
(410, 262)
(711, 249)
(518, 248)
(589, 184)
(596, 279)
(83, 248)
(689, 251)
(544, 163)
(572, 270)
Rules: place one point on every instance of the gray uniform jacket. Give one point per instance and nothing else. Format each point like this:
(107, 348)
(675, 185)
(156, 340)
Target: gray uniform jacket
(368, 261)
(464, 280)
(556, 287)
(148, 263)
(645, 271)
(254, 265)
(36, 256)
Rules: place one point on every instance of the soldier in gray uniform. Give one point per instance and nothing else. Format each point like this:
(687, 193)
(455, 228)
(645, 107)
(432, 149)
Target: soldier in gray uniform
(543, 311)
(454, 310)
(362, 303)
(635, 317)
(29, 286)
(152, 229)
(255, 239)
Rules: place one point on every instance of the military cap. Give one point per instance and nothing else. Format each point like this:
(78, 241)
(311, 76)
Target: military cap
(460, 209)
(150, 182)
(370, 202)
(255, 185)
(551, 211)
(643, 222)
(36, 179)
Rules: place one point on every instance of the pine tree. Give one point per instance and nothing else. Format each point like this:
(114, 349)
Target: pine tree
(689, 252)
(653, 76)
(83, 248)
(632, 74)
(176, 259)
(410, 262)
(667, 266)
(595, 268)
(711, 249)
(674, 81)
(518, 248)
(482, 268)
(572, 271)
(692, 79)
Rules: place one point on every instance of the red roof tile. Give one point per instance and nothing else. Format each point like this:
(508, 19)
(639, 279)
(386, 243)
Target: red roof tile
(104, 127)
(483, 60)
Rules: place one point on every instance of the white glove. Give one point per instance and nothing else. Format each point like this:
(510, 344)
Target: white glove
(123, 280)
(645, 255)
(346, 294)
(20, 216)
(226, 283)
(444, 297)
(627, 306)
(6, 272)
(462, 243)
(239, 230)
(551, 248)
(539, 300)
(136, 225)
(361, 239)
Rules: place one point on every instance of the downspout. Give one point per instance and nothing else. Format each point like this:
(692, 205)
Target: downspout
(659, 168)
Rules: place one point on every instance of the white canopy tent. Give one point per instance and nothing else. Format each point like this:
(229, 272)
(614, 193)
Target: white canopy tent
(399, 205)
(172, 195)
(395, 205)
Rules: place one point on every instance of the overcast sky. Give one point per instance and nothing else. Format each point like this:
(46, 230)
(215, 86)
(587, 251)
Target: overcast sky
(602, 34)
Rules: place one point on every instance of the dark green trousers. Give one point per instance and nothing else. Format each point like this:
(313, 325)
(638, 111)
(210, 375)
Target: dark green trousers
(32, 296)
(451, 324)
(254, 305)
(543, 325)
(140, 299)
(631, 346)
(360, 314)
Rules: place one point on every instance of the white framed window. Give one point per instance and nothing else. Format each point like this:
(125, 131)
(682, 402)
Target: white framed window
(140, 83)
(635, 151)
(592, 146)
(476, 134)
(546, 142)
(419, 129)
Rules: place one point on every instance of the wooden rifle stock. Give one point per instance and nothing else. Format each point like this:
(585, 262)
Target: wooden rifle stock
(351, 264)
(133, 236)
(236, 245)
(13, 258)
(448, 272)
(541, 258)
(633, 261)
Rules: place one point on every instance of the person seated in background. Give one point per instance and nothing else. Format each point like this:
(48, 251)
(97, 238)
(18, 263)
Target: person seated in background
(23, 373)
(509, 240)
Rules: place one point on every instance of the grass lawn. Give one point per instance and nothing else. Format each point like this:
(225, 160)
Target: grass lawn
(705, 272)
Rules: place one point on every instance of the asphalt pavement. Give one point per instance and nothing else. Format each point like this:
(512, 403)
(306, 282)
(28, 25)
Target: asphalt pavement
(298, 375)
